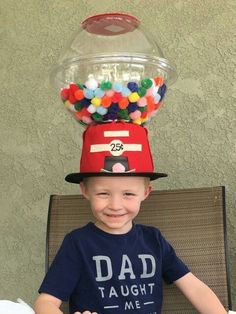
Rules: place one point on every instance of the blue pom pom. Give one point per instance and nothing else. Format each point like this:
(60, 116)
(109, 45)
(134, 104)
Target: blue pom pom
(114, 108)
(132, 107)
(85, 102)
(110, 116)
(132, 86)
(125, 91)
(117, 87)
(102, 111)
(99, 93)
(88, 93)
(162, 90)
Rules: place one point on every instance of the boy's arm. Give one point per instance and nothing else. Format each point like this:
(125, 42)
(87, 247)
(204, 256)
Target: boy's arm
(46, 303)
(200, 295)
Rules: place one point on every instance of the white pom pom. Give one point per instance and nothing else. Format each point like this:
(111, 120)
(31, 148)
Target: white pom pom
(91, 83)
(91, 108)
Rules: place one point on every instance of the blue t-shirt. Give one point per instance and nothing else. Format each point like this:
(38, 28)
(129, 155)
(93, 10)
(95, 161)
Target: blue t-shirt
(108, 273)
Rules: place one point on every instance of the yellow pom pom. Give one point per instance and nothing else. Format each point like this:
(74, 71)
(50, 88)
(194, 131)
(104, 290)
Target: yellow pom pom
(96, 101)
(133, 97)
(138, 121)
(145, 119)
(67, 105)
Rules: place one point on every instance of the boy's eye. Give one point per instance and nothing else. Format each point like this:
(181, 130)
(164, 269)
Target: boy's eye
(129, 194)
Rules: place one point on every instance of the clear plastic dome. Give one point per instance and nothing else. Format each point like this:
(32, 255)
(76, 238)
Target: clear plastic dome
(112, 53)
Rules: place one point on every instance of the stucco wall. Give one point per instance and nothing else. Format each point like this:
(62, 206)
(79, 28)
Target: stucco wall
(193, 137)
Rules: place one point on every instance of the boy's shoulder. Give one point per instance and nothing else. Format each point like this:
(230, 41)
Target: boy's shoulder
(148, 229)
(81, 230)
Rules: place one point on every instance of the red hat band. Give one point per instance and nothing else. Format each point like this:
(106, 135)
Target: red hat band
(116, 147)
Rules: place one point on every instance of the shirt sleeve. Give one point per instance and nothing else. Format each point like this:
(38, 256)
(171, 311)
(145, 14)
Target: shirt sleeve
(64, 271)
(173, 267)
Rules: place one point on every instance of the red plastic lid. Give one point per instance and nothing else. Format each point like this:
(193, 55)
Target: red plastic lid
(110, 24)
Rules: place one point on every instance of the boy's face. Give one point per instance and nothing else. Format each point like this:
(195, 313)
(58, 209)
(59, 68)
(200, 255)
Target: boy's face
(115, 201)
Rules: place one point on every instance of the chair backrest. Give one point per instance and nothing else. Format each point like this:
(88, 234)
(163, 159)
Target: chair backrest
(192, 220)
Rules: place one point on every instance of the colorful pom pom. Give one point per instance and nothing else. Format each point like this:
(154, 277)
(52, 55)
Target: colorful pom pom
(157, 98)
(135, 115)
(99, 93)
(73, 87)
(106, 85)
(64, 93)
(142, 91)
(85, 102)
(125, 91)
(123, 103)
(132, 86)
(78, 106)
(96, 102)
(91, 109)
(123, 114)
(79, 94)
(134, 97)
(117, 87)
(91, 83)
(114, 108)
(88, 93)
(110, 92)
(146, 83)
(132, 107)
(102, 111)
(106, 101)
(142, 102)
(159, 80)
(97, 117)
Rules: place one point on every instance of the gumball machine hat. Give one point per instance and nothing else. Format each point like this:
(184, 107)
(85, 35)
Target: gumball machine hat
(112, 70)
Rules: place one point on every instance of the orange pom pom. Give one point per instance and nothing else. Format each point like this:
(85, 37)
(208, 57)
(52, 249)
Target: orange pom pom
(106, 101)
(159, 80)
(150, 104)
(79, 94)
(123, 103)
(144, 115)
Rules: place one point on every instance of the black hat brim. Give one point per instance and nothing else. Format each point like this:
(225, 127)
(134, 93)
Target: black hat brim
(78, 177)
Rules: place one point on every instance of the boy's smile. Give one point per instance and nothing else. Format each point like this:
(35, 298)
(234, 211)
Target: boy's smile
(115, 201)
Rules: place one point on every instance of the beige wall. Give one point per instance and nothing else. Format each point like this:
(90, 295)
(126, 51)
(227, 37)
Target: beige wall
(193, 136)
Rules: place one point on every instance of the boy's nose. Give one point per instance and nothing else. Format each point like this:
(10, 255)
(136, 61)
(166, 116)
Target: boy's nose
(115, 203)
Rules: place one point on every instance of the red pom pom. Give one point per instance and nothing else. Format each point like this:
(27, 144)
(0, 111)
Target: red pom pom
(65, 93)
(72, 98)
(73, 87)
(116, 97)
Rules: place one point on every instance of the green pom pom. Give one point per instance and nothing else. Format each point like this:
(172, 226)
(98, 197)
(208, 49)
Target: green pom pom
(80, 85)
(78, 106)
(142, 109)
(123, 114)
(146, 83)
(97, 117)
(142, 91)
(106, 85)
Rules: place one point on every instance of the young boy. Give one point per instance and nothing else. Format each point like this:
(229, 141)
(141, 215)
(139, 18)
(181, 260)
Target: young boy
(114, 265)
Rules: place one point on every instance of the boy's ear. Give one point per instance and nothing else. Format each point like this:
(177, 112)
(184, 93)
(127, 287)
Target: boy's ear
(147, 191)
(83, 189)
